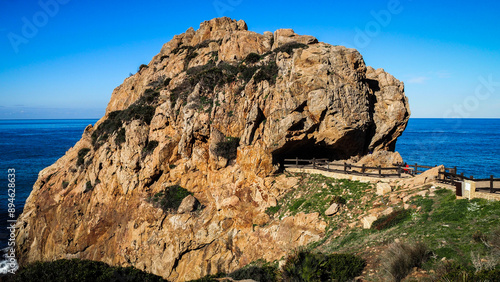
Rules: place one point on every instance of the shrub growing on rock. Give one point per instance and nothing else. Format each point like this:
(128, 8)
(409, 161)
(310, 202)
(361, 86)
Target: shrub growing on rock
(81, 156)
(143, 109)
(170, 199)
(227, 148)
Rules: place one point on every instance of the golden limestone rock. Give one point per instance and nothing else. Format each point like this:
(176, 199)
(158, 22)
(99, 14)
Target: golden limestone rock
(212, 115)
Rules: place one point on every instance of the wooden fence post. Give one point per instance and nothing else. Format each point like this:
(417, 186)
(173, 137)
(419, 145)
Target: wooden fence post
(363, 170)
(472, 177)
(379, 171)
(314, 162)
(399, 171)
(455, 170)
(297, 161)
(491, 184)
(327, 166)
(416, 169)
(345, 167)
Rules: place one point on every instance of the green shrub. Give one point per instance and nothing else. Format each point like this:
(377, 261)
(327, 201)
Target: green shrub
(453, 271)
(65, 184)
(246, 73)
(290, 47)
(267, 72)
(391, 219)
(120, 137)
(259, 271)
(227, 148)
(170, 199)
(307, 266)
(182, 48)
(338, 199)
(81, 156)
(252, 58)
(143, 109)
(150, 146)
(191, 56)
(400, 259)
(273, 210)
(88, 187)
(79, 270)
(141, 67)
(206, 43)
(210, 278)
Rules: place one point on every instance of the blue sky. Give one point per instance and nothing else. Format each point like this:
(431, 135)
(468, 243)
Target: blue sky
(63, 58)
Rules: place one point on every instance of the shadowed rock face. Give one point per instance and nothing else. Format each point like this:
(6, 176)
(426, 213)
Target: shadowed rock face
(214, 112)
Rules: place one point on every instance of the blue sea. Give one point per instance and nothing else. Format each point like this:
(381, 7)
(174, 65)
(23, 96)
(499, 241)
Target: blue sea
(28, 146)
(472, 145)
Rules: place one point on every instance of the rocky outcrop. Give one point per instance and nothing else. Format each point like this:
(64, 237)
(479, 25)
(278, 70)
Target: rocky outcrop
(215, 112)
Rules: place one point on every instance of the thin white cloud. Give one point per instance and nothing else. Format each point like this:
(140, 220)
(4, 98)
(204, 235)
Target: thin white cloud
(418, 79)
(442, 74)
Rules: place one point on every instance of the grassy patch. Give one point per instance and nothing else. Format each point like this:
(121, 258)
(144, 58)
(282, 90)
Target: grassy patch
(315, 193)
(450, 228)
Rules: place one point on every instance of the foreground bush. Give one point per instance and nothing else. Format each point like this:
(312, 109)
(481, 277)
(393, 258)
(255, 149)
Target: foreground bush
(451, 271)
(400, 259)
(306, 266)
(77, 270)
(259, 271)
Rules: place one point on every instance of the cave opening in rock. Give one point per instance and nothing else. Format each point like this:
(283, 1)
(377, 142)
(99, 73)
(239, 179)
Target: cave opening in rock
(352, 143)
(305, 149)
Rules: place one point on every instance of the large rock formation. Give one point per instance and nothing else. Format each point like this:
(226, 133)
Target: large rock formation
(214, 112)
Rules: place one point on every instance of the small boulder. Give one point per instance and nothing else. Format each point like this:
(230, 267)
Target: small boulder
(387, 211)
(383, 188)
(189, 204)
(333, 209)
(368, 221)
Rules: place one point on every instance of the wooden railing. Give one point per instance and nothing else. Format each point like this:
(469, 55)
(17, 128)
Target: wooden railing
(452, 178)
(449, 175)
(378, 171)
